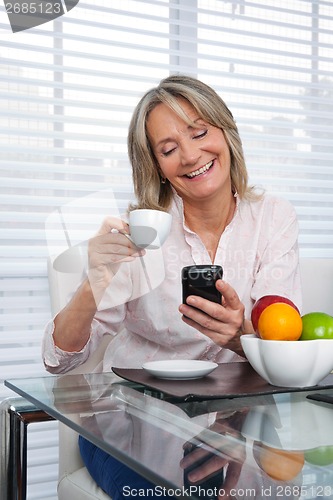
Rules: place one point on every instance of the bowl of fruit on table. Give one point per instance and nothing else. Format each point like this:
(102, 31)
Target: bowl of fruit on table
(289, 350)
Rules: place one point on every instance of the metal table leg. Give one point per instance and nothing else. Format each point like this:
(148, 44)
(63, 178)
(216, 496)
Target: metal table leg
(17, 415)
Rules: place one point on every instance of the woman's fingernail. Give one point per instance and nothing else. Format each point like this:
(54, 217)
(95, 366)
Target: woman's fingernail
(191, 300)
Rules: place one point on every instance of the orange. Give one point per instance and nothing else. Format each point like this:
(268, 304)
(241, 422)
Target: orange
(280, 321)
(282, 465)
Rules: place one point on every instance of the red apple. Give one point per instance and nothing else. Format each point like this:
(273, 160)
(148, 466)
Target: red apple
(265, 301)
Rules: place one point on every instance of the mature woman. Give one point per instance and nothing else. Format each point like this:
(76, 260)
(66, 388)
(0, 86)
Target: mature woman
(187, 159)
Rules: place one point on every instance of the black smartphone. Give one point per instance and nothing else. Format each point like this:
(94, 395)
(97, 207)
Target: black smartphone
(200, 280)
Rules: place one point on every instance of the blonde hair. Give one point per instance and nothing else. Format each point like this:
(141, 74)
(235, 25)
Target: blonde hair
(149, 190)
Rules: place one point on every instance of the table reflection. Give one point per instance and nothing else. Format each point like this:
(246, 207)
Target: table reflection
(240, 448)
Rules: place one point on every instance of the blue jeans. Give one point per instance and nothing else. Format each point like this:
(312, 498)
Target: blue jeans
(113, 477)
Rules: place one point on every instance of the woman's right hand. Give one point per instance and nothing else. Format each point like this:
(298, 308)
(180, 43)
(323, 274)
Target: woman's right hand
(106, 251)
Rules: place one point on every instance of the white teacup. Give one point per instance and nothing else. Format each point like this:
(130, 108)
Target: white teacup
(149, 228)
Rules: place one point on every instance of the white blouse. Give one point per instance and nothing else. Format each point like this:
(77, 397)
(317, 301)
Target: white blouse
(259, 254)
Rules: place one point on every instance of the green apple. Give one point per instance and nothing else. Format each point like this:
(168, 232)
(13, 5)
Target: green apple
(317, 325)
(323, 455)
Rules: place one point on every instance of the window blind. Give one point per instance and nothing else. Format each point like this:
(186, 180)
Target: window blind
(67, 91)
(272, 62)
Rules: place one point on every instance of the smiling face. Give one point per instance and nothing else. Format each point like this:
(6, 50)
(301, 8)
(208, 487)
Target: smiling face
(195, 159)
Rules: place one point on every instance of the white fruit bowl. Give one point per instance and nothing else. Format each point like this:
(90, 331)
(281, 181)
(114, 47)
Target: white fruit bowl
(299, 363)
(295, 423)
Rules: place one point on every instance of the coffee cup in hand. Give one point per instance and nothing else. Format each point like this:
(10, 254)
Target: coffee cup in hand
(149, 228)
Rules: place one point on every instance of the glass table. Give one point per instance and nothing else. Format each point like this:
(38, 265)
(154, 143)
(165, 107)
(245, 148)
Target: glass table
(263, 446)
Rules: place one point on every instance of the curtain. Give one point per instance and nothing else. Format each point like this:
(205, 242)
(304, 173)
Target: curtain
(67, 91)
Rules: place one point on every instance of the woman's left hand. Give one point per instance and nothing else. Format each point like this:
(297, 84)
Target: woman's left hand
(223, 323)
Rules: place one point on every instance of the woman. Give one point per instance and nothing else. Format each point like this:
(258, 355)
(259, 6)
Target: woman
(187, 159)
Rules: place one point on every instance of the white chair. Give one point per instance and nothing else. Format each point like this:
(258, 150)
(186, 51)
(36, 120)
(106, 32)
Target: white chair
(75, 482)
(317, 285)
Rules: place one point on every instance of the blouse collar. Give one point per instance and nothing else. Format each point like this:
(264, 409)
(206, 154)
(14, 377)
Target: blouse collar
(178, 207)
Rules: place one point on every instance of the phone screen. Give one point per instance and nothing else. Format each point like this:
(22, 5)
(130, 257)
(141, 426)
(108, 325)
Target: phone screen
(200, 280)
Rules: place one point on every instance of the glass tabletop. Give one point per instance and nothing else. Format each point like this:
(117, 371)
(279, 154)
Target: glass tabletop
(267, 446)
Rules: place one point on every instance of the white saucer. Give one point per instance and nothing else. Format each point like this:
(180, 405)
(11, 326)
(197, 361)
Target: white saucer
(179, 369)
